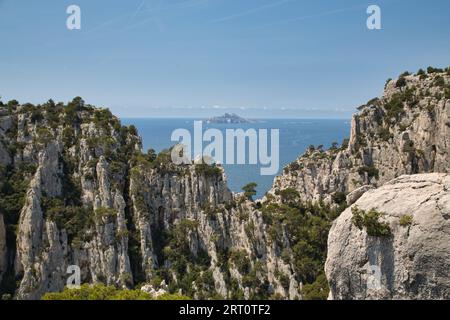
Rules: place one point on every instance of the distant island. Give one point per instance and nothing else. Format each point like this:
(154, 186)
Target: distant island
(77, 188)
(230, 118)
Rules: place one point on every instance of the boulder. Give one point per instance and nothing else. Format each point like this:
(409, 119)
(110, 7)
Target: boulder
(413, 262)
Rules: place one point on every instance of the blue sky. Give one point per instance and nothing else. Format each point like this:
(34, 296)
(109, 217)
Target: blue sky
(178, 58)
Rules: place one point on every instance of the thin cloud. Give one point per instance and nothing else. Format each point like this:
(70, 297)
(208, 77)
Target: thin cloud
(151, 12)
(319, 15)
(312, 16)
(187, 4)
(107, 23)
(251, 11)
(143, 3)
(126, 19)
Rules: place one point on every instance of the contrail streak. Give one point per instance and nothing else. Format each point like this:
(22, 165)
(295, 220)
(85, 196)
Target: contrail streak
(251, 11)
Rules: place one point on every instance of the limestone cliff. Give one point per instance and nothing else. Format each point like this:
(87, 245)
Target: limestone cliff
(405, 131)
(76, 189)
(410, 262)
(79, 191)
(3, 260)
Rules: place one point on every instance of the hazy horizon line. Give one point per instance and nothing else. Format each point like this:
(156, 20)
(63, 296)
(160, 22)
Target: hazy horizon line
(247, 118)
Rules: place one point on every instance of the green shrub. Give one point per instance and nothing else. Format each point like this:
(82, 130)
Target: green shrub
(102, 292)
(345, 144)
(76, 220)
(406, 220)
(102, 118)
(307, 226)
(132, 130)
(44, 136)
(289, 195)
(286, 255)
(284, 280)
(394, 107)
(250, 190)
(68, 136)
(339, 197)
(36, 115)
(370, 170)
(318, 290)
(370, 221)
(151, 155)
(387, 82)
(173, 248)
(401, 82)
(14, 183)
(71, 111)
(241, 261)
(12, 104)
(334, 146)
(439, 82)
(421, 72)
(207, 170)
(250, 281)
(294, 166)
(105, 213)
(385, 134)
(434, 70)
(360, 141)
(373, 102)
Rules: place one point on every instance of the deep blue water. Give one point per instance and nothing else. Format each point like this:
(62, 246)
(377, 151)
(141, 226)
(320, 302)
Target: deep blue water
(295, 136)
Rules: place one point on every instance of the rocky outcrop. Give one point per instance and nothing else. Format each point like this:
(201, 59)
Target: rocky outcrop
(78, 189)
(410, 263)
(72, 213)
(229, 118)
(93, 200)
(353, 196)
(5, 125)
(405, 131)
(3, 252)
(155, 293)
(201, 200)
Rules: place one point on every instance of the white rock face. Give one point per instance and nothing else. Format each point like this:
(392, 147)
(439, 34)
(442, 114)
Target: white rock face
(165, 200)
(3, 260)
(163, 289)
(41, 249)
(5, 124)
(417, 141)
(89, 203)
(91, 200)
(412, 263)
(353, 196)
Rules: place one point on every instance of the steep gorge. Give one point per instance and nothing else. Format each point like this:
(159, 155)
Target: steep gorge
(76, 189)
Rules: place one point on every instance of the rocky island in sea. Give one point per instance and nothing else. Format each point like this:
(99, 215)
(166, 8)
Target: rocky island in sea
(76, 188)
(231, 118)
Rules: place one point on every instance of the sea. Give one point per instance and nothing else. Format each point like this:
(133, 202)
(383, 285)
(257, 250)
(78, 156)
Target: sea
(295, 136)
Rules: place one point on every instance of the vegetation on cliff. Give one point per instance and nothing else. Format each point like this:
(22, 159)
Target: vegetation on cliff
(306, 225)
(102, 292)
(319, 181)
(174, 223)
